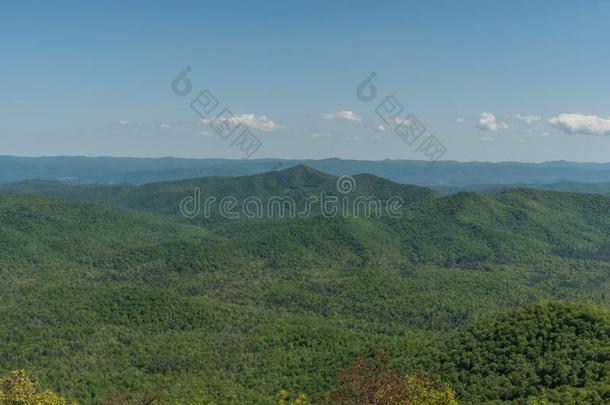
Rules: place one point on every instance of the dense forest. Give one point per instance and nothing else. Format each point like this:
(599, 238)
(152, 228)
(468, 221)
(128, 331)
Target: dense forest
(110, 294)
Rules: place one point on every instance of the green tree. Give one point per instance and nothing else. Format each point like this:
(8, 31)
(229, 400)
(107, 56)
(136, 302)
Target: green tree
(283, 399)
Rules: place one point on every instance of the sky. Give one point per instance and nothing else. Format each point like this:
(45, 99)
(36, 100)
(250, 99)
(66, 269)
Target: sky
(488, 81)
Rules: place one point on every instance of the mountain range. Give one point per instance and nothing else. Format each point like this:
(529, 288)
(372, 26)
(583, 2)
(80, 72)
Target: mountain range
(110, 288)
(87, 170)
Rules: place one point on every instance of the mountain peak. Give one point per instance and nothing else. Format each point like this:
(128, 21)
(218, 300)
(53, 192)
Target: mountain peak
(301, 171)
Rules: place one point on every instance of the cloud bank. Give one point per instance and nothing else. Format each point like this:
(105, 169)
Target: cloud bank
(342, 115)
(581, 124)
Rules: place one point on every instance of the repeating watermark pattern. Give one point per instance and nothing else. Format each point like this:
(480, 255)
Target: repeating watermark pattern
(224, 123)
(407, 127)
(326, 204)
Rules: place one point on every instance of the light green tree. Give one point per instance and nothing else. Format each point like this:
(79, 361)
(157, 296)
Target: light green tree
(17, 389)
(284, 395)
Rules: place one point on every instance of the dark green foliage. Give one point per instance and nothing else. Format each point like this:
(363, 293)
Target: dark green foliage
(555, 350)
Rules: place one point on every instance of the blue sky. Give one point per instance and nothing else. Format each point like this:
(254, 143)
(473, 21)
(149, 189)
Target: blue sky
(492, 81)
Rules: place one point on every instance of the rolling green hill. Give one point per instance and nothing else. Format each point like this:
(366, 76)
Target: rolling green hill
(555, 351)
(564, 185)
(512, 226)
(130, 296)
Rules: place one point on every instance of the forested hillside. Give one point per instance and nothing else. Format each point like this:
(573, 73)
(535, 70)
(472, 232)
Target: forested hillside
(297, 182)
(553, 351)
(108, 289)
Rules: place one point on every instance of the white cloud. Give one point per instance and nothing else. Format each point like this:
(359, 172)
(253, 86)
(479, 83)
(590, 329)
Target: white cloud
(460, 120)
(546, 134)
(488, 122)
(205, 133)
(528, 119)
(342, 115)
(124, 122)
(380, 128)
(165, 126)
(581, 124)
(487, 139)
(260, 122)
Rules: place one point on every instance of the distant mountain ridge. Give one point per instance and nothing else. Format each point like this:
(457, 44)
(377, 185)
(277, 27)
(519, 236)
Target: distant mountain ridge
(441, 173)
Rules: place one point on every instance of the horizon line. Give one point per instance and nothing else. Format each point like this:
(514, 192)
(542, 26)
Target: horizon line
(427, 162)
